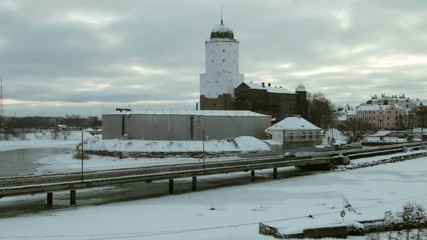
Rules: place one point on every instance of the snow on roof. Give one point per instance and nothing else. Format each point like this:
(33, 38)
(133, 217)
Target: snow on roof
(293, 123)
(375, 107)
(380, 133)
(300, 88)
(193, 112)
(275, 89)
(372, 107)
(422, 102)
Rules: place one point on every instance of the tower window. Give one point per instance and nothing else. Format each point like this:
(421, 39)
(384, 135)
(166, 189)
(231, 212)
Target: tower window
(223, 60)
(223, 50)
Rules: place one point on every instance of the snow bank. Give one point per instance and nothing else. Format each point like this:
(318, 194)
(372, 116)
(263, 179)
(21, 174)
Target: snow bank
(239, 144)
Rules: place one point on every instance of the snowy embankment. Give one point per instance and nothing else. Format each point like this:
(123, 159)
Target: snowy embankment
(151, 148)
(377, 160)
(65, 163)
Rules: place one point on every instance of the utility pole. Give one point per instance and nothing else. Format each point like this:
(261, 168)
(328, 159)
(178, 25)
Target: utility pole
(82, 156)
(1, 104)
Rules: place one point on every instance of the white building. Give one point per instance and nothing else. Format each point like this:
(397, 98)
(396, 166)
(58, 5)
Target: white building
(222, 64)
(296, 131)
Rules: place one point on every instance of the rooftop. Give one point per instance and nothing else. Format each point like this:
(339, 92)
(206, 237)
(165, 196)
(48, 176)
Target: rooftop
(293, 123)
(274, 89)
(230, 113)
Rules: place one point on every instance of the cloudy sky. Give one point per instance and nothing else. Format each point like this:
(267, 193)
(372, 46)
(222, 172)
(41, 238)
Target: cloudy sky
(61, 57)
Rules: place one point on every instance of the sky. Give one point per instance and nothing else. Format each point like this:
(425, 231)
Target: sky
(62, 57)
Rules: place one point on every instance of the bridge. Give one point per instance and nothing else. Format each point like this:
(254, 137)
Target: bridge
(25, 185)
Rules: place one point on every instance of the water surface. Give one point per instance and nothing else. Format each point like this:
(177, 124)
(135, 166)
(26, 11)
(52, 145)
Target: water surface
(21, 161)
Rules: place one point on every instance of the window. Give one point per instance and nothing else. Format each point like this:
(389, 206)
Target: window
(223, 60)
(223, 50)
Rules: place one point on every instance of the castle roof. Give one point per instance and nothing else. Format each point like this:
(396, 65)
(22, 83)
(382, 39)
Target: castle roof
(270, 89)
(221, 31)
(300, 88)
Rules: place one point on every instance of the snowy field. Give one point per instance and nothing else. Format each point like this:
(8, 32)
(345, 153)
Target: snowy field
(285, 203)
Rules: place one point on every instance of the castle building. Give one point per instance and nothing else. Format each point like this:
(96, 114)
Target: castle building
(222, 87)
(222, 70)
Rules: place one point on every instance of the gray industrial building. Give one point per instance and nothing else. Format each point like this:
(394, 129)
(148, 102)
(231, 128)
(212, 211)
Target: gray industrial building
(184, 125)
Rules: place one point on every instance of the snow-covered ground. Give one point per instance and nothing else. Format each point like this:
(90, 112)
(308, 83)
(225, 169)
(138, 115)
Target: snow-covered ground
(285, 203)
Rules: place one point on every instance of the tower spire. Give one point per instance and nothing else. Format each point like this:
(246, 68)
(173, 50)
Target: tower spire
(222, 21)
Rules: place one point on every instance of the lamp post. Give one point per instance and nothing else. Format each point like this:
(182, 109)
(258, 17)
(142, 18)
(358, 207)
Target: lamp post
(82, 156)
(203, 148)
(284, 145)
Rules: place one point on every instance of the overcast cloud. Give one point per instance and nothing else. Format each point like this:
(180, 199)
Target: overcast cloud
(61, 57)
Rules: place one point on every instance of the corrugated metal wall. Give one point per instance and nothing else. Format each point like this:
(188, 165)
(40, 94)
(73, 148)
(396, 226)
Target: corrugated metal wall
(183, 127)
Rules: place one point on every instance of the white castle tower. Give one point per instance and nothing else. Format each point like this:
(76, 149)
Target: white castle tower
(222, 69)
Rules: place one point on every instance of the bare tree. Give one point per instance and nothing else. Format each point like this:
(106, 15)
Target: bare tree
(66, 133)
(413, 215)
(356, 129)
(321, 111)
(412, 218)
(421, 115)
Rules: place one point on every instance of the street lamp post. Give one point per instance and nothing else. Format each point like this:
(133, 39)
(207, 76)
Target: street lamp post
(82, 156)
(284, 144)
(203, 146)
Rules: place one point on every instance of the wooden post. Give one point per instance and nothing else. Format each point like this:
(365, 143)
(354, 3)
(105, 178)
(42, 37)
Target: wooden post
(274, 172)
(73, 197)
(49, 199)
(194, 185)
(252, 175)
(170, 186)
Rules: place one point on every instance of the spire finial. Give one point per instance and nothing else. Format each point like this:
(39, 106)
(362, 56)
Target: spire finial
(222, 22)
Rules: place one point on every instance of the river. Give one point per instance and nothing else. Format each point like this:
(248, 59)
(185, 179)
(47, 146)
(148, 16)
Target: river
(21, 161)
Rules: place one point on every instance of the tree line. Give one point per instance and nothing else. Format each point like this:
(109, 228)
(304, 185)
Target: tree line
(18, 126)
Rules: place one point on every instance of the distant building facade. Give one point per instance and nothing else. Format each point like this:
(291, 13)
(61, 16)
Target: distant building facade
(222, 87)
(385, 112)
